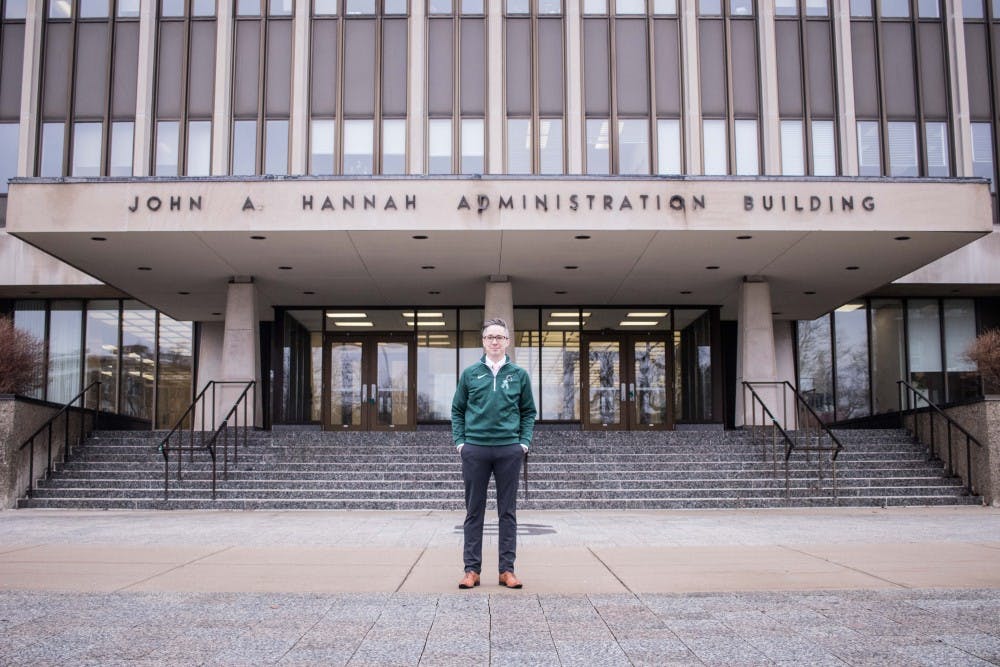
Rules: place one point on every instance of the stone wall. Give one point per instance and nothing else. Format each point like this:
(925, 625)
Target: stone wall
(19, 418)
(982, 421)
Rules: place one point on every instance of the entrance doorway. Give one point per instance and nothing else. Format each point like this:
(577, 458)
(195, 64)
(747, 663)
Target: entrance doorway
(627, 382)
(368, 382)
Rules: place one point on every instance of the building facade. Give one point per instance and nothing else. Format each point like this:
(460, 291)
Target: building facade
(664, 198)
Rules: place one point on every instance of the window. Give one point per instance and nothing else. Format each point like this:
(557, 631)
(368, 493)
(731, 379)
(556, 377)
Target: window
(64, 343)
(325, 7)
(279, 7)
(360, 7)
(518, 7)
(747, 155)
(248, 7)
(893, 9)
(171, 8)
(439, 7)
(276, 147)
(93, 9)
(244, 147)
(60, 9)
(439, 146)
(929, 9)
(598, 144)
(51, 162)
(394, 146)
(595, 7)
(668, 146)
(715, 147)
(869, 150)
(321, 144)
(861, 8)
(817, 8)
(358, 142)
(17, 9)
(625, 7)
(199, 148)
(936, 144)
(786, 7)
(710, 7)
(122, 139)
(982, 152)
(665, 7)
(473, 146)
(824, 149)
(518, 146)
(972, 9)
(8, 153)
(903, 149)
(551, 7)
(550, 146)
(166, 148)
(633, 146)
(741, 7)
(792, 162)
(850, 323)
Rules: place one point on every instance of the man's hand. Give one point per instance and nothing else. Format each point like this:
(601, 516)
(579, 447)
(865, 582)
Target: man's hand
(458, 447)
(524, 447)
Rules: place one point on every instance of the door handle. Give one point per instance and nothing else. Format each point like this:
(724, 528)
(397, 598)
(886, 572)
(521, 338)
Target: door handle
(623, 391)
(374, 393)
(631, 391)
(364, 393)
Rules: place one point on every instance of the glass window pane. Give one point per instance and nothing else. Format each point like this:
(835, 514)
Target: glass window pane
(166, 148)
(518, 7)
(959, 333)
(815, 365)
(633, 146)
(279, 7)
(102, 350)
(394, 7)
(171, 8)
(560, 367)
(276, 147)
(472, 7)
(439, 7)
(65, 322)
(60, 9)
(598, 146)
(851, 322)
(122, 140)
(127, 9)
(439, 146)
(321, 144)
(550, 146)
(173, 388)
(86, 149)
(29, 317)
(595, 7)
(325, 7)
(394, 146)
(792, 161)
(199, 148)
(668, 146)
(938, 162)
(550, 7)
(8, 152)
(747, 155)
(869, 149)
(903, 149)
(973, 9)
(924, 324)
(861, 8)
(665, 7)
(630, 6)
(714, 147)
(244, 148)
(138, 360)
(710, 7)
(786, 7)
(15, 9)
(203, 8)
(817, 8)
(473, 146)
(895, 8)
(518, 146)
(358, 146)
(248, 7)
(929, 9)
(51, 162)
(982, 151)
(437, 365)
(93, 9)
(824, 149)
(360, 7)
(741, 7)
(888, 351)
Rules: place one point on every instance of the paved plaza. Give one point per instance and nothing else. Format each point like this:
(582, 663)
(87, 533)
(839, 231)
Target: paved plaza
(898, 586)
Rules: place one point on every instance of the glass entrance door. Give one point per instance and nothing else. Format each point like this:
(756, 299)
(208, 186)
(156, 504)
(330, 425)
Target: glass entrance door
(367, 383)
(628, 380)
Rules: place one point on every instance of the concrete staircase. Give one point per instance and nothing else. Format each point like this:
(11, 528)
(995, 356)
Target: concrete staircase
(292, 469)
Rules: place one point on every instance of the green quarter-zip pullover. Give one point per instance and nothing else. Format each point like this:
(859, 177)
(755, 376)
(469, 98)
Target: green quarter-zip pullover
(493, 410)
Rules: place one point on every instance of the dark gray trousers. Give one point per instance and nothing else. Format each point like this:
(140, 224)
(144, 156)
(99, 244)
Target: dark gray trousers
(478, 463)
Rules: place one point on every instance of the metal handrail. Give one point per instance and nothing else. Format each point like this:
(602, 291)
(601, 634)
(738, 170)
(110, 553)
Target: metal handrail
(776, 428)
(802, 404)
(30, 441)
(208, 444)
(903, 385)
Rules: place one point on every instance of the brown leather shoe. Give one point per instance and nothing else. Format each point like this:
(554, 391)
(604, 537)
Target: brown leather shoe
(469, 580)
(509, 580)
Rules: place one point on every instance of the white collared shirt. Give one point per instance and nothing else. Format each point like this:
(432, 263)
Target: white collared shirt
(495, 367)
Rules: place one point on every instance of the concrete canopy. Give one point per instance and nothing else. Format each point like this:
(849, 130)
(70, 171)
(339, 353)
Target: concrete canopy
(176, 243)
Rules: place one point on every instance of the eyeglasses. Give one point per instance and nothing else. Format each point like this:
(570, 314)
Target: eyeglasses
(494, 339)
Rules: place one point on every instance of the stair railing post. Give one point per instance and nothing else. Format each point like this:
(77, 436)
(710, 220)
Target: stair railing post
(31, 466)
(950, 465)
(968, 463)
(48, 465)
(166, 472)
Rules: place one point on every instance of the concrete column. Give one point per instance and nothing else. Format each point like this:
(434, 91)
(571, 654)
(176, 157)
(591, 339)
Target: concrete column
(690, 82)
(417, 107)
(300, 90)
(958, 92)
(221, 114)
(240, 346)
(574, 89)
(30, 81)
(495, 121)
(142, 147)
(769, 117)
(755, 353)
(499, 302)
(843, 56)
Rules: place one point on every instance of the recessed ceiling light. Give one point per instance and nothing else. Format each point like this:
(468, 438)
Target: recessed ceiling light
(568, 314)
(685, 291)
(647, 314)
(419, 237)
(309, 292)
(145, 268)
(422, 314)
(98, 238)
(850, 307)
(216, 313)
(353, 324)
(571, 267)
(347, 316)
(744, 237)
(427, 267)
(555, 323)
(809, 292)
(258, 238)
(285, 268)
(776, 312)
(851, 268)
(434, 291)
(638, 323)
(184, 293)
(582, 237)
(711, 268)
(434, 323)
(901, 238)
(560, 291)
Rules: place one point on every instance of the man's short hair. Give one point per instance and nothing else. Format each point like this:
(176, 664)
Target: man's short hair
(496, 322)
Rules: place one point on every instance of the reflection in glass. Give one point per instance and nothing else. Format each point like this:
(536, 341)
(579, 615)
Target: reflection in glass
(358, 142)
(248, 7)
(121, 148)
(633, 146)
(60, 9)
(973, 9)
(716, 152)
(651, 388)
(623, 7)
(93, 9)
(959, 333)
(747, 155)
(668, 146)
(244, 147)
(199, 148)
(518, 145)
(437, 370)
(527, 349)
(982, 151)
(394, 146)
(851, 328)
(17, 9)
(321, 140)
(279, 7)
(696, 364)
(360, 7)
(171, 8)
(598, 146)
(518, 7)
(888, 350)
(392, 400)
(560, 374)
(439, 146)
(604, 382)
(786, 7)
(861, 8)
(65, 322)
(276, 147)
(51, 161)
(325, 7)
(665, 7)
(390, 7)
(101, 352)
(741, 7)
(816, 366)
(29, 317)
(166, 148)
(549, 7)
(929, 9)
(203, 8)
(824, 149)
(439, 7)
(924, 331)
(138, 360)
(869, 149)
(595, 7)
(345, 384)
(550, 146)
(8, 153)
(709, 7)
(473, 146)
(472, 6)
(903, 148)
(892, 9)
(792, 161)
(173, 391)
(937, 149)
(817, 8)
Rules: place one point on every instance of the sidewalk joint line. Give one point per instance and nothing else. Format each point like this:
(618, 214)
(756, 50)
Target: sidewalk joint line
(613, 573)
(618, 642)
(171, 569)
(410, 571)
(844, 565)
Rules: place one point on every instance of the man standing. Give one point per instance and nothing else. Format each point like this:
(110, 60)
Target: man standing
(492, 419)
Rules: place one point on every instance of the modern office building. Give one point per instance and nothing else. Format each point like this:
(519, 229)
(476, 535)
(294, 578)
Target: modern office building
(664, 197)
